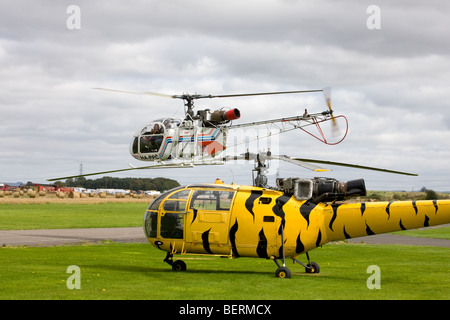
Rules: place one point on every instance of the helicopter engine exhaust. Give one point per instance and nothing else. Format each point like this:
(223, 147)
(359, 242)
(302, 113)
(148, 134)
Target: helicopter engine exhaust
(220, 116)
(322, 189)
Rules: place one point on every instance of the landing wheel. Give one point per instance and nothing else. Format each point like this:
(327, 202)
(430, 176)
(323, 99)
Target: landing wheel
(312, 267)
(283, 272)
(179, 265)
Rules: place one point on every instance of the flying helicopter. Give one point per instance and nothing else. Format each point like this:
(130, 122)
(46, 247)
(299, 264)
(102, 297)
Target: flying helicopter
(201, 138)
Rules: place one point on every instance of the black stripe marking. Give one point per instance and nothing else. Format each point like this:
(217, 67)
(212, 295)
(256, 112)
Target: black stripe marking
(363, 208)
(415, 207)
(195, 216)
(335, 207)
(435, 206)
(205, 239)
(305, 210)
(233, 231)
(261, 249)
(249, 203)
(280, 250)
(347, 236)
(368, 231)
(402, 226)
(425, 223)
(278, 209)
(319, 238)
(388, 209)
(300, 247)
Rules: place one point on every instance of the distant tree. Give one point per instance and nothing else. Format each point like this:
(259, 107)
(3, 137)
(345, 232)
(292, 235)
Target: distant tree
(136, 184)
(431, 195)
(60, 184)
(70, 183)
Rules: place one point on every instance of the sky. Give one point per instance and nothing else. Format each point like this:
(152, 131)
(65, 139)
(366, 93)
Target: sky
(388, 66)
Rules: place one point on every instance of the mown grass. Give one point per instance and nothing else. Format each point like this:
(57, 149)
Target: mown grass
(435, 233)
(137, 271)
(67, 215)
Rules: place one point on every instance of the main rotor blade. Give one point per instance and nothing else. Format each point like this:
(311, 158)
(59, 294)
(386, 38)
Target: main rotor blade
(162, 165)
(158, 166)
(258, 94)
(200, 96)
(300, 163)
(342, 164)
(141, 93)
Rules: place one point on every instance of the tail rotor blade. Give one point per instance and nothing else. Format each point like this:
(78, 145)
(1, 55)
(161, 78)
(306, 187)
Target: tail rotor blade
(334, 125)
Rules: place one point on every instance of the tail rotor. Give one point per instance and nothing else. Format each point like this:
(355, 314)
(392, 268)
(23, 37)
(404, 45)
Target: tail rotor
(334, 126)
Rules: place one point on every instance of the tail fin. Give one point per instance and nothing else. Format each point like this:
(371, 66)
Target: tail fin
(344, 221)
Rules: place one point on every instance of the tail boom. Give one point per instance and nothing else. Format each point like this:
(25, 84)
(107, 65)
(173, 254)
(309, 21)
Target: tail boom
(344, 221)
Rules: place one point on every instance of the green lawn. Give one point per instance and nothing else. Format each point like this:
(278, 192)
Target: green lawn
(137, 271)
(436, 233)
(69, 216)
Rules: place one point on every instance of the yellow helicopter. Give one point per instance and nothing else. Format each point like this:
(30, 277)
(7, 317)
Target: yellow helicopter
(280, 223)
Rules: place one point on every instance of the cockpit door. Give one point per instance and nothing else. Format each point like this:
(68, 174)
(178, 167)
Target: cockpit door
(208, 217)
(173, 212)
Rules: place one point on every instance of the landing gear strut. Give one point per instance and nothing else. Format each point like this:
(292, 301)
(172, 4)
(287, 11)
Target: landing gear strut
(283, 271)
(311, 267)
(177, 265)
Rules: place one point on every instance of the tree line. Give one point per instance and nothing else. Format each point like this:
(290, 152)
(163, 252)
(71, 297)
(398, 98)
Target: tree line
(136, 184)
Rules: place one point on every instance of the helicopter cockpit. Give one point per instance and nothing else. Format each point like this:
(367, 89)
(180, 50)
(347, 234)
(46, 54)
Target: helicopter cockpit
(147, 143)
(199, 204)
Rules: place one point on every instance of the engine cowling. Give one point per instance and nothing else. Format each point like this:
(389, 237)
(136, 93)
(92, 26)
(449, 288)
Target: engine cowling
(322, 189)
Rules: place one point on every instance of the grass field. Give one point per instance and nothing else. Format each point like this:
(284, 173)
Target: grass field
(136, 271)
(68, 215)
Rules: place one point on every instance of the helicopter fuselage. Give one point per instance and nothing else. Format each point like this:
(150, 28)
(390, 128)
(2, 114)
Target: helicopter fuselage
(246, 221)
(201, 136)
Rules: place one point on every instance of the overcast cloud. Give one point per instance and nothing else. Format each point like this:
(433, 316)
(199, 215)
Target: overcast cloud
(391, 83)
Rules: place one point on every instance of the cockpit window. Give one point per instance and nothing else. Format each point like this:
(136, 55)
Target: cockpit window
(150, 143)
(171, 123)
(212, 200)
(172, 225)
(183, 194)
(151, 223)
(175, 205)
(135, 145)
(153, 128)
(172, 217)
